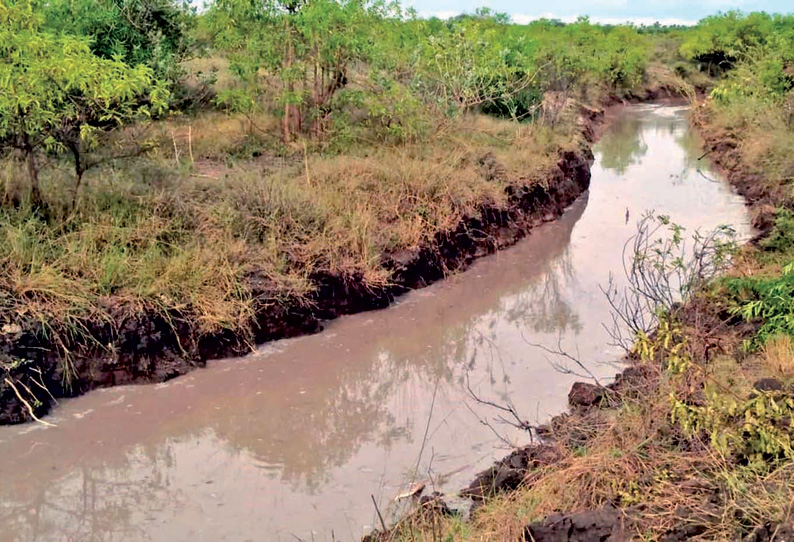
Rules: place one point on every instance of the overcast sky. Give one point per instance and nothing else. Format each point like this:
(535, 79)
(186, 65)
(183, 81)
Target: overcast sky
(606, 11)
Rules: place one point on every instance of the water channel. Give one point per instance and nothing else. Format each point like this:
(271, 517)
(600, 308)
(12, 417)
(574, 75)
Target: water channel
(290, 442)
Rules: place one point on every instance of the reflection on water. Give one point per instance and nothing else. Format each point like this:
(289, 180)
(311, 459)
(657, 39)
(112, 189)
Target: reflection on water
(291, 442)
(623, 145)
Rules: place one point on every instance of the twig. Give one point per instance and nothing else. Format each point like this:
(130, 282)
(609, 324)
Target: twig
(380, 516)
(190, 142)
(510, 409)
(176, 149)
(29, 407)
(560, 352)
(306, 163)
(427, 427)
(487, 424)
(707, 177)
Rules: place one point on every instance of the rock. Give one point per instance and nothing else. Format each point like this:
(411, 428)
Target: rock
(509, 473)
(583, 394)
(631, 377)
(768, 384)
(494, 480)
(434, 503)
(492, 169)
(771, 531)
(603, 525)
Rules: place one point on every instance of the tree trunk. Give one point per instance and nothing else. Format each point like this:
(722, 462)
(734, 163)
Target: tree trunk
(287, 122)
(79, 168)
(33, 173)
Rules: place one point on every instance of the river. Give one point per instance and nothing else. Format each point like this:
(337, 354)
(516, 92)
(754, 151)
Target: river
(291, 442)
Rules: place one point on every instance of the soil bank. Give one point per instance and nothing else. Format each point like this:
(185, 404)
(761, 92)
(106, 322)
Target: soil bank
(150, 347)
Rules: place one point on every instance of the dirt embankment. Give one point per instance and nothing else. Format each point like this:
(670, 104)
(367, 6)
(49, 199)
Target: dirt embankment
(152, 347)
(722, 149)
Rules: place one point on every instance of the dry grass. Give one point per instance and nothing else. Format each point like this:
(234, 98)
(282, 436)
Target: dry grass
(167, 232)
(778, 356)
(636, 458)
(763, 137)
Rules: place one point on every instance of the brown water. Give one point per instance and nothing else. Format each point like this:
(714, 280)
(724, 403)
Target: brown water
(289, 443)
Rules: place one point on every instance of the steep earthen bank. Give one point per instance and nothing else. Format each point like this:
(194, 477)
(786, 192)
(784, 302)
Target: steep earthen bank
(141, 347)
(721, 148)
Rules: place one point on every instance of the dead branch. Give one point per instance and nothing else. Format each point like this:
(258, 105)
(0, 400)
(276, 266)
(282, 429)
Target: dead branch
(559, 351)
(27, 404)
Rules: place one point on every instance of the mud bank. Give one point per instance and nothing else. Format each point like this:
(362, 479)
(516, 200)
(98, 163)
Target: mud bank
(721, 149)
(153, 347)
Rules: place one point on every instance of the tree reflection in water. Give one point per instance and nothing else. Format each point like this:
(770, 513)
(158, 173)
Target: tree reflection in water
(622, 145)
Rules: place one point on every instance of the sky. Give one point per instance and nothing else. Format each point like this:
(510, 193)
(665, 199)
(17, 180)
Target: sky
(603, 11)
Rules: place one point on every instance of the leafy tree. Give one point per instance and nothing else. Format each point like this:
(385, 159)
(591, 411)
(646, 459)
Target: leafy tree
(719, 41)
(55, 94)
(156, 33)
(471, 64)
(304, 49)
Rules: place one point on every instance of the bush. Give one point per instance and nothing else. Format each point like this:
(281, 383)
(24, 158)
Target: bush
(156, 33)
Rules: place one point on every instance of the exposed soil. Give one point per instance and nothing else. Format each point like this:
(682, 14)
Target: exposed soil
(721, 148)
(603, 525)
(152, 347)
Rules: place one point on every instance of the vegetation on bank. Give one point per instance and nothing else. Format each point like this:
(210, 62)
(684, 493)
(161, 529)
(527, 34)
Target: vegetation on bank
(204, 166)
(696, 442)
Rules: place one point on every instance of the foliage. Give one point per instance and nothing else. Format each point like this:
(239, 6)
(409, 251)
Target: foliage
(664, 268)
(284, 60)
(55, 94)
(303, 50)
(156, 33)
(469, 64)
(768, 300)
(780, 240)
(722, 40)
(616, 56)
(756, 50)
(755, 430)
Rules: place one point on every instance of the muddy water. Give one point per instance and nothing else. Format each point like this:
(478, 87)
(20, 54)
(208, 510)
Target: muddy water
(289, 443)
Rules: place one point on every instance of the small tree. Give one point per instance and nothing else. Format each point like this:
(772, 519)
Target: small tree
(304, 49)
(55, 94)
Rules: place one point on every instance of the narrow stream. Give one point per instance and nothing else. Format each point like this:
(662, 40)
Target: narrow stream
(289, 443)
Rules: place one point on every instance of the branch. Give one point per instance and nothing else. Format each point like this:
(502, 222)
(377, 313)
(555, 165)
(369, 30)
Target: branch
(562, 353)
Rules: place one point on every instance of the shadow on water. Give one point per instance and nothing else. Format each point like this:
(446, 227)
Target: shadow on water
(292, 440)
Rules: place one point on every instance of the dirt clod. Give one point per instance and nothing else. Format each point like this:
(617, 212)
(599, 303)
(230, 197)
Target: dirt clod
(585, 395)
(603, 525)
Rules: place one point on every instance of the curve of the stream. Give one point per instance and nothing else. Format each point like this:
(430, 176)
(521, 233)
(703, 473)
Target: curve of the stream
(289, 443)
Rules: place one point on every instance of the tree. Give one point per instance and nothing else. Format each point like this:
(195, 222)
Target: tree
(303, 48)
(55, 94)
(152, 32)
(471, 63)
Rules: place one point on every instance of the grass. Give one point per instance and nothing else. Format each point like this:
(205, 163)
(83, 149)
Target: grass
(635, 457)
(761, 134)
(215, 207)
